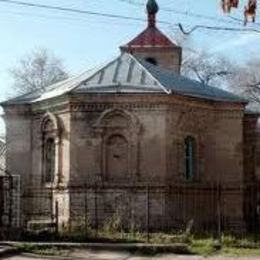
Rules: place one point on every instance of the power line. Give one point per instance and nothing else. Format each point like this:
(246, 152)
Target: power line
(115, 16)
(78, 11)
(186, 13)
(30, 15)
(235, 21)
(215, 28)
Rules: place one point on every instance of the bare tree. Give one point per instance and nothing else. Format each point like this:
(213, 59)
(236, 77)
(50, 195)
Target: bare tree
(202, 66)
(208, 69)
(37, 70)
(246, 81)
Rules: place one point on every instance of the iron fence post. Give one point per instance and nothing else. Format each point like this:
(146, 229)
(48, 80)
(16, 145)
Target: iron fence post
(148, 213)
(86, 210)
(10, 205)
(219, 213)
(96, 210)
(52, 206)
(57, 217)
(254, 194)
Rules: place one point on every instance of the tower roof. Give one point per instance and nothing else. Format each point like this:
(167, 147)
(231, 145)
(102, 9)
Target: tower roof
(151, 36)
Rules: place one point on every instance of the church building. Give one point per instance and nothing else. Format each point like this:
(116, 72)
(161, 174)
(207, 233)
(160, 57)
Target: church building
(135, 136)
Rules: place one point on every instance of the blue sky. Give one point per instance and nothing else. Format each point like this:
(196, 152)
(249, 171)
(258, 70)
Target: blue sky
(85, 41)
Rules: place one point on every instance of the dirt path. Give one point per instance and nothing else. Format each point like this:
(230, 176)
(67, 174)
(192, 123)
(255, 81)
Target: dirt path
(108, 255)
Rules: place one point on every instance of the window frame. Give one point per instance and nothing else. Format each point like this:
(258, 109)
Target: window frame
(49, 160)
(50, 131)
(190, 158)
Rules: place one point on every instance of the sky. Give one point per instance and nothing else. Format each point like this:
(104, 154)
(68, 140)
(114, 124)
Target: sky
(84, 41)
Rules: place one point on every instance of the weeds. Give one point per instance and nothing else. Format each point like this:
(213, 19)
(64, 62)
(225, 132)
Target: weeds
(113, 225)
(43, 250)
(161, 242)
(112, 232)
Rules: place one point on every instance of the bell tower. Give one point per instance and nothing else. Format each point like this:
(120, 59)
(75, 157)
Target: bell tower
(153, 46)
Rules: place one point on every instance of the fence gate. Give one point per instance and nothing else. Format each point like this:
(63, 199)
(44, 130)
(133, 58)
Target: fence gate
(9, 206)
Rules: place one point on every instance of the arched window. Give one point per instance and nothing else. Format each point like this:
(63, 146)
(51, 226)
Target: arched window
(49, 160)
(50, 149)
(151, 60)
(190, 158)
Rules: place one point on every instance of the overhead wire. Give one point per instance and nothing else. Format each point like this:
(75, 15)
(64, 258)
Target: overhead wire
(185, 13)
(116, 16)
(236, 21)
(72, 10)
(194, 28)
(29, 15)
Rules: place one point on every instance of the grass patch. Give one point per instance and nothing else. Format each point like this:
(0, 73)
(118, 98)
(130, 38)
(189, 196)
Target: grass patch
(204, 247)
(104, 236)
(196, 246)
(113, 233)
(46, 250)
(230, 246)
(234, 251)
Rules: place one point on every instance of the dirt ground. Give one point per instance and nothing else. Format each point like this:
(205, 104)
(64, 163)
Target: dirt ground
(109, 255)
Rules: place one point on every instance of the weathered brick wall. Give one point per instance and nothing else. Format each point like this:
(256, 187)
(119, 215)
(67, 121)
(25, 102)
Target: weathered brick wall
(88, 144)
(251, 147)
(99, 206)
(19, 150)
(10, 211)
(251, 167)
(154, 128)
(169, 59)
(161, 208)
(219, 135)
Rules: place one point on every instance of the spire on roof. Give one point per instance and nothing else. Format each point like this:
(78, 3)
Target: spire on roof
(152, 9)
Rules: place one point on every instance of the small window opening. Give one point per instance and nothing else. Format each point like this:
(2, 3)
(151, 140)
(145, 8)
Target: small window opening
(151, 60)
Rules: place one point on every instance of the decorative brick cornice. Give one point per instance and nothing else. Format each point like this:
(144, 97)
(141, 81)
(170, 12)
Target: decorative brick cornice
(97, 103)
(98, 107)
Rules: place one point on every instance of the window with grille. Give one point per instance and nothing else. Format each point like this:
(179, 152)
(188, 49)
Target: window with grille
(190, 158)
(49, 160)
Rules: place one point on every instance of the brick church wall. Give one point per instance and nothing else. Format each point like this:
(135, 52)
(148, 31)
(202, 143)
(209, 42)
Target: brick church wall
(161, 156)
(154, 128)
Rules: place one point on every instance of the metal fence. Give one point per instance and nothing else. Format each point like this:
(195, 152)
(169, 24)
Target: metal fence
(208, 208)
(9, 206)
